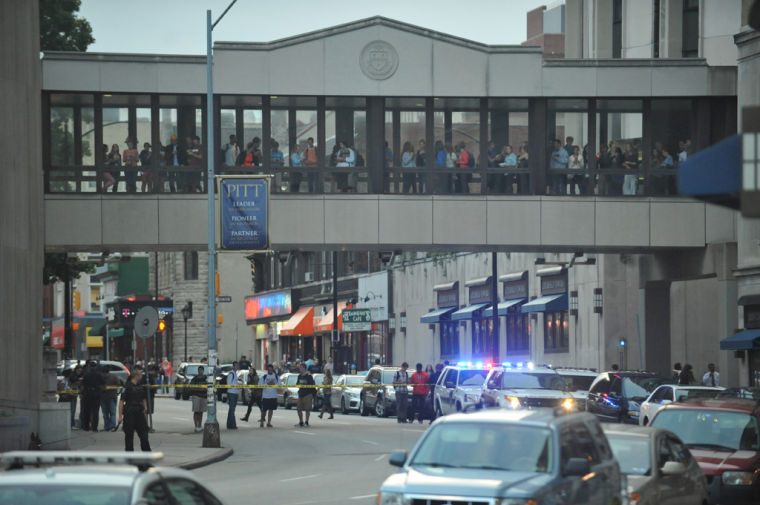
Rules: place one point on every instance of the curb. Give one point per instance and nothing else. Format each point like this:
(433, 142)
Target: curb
(216, 457)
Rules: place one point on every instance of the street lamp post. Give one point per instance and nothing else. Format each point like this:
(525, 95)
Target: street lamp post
(211, 436)
(187, 312)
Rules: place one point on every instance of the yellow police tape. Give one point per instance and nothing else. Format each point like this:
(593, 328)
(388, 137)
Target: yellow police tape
(239, 386)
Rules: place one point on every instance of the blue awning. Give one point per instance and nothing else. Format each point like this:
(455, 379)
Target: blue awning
(740, 341)
(713, 172)
(550, 303)
(503, 307)
(469, 312)
(435, 316)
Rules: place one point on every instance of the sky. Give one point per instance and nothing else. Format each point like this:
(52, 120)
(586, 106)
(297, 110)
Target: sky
(179, 26)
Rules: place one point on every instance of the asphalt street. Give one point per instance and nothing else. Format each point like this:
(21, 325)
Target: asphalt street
(343, 460)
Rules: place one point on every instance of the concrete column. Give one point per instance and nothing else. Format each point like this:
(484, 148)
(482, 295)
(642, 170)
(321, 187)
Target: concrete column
(656, 308)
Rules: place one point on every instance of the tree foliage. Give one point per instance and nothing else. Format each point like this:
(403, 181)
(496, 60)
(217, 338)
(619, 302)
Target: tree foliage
(61, 29)
(59, 267)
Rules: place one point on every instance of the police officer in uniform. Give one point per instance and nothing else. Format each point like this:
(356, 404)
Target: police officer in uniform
(133, 408)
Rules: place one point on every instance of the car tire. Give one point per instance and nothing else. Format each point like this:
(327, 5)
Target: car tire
(459, 407)
(343, 409)
(438, 411)
(380, 409)
(363, 408)
(176, 393)
(646, 421)
(185, 396)
(286, 402)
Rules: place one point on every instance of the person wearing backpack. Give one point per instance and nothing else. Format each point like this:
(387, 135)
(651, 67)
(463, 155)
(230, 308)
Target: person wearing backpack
(400, 382)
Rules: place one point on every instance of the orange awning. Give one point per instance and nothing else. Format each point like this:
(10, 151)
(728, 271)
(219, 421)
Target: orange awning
(326, 323)
(300, 323)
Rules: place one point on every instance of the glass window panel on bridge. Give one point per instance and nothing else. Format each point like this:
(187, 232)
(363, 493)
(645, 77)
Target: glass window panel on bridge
(180, 120)
(508, 161)
(303, 159)
(345, 145)
(70, 116)
(405, 134)
(463, 131)
(567, 128)
(671, 121)
(621, 162)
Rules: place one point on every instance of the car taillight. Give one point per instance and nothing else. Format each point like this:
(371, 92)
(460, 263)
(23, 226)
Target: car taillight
(125, 368)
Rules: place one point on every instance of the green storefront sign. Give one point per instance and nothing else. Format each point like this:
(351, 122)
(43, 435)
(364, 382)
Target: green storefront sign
(357, 320)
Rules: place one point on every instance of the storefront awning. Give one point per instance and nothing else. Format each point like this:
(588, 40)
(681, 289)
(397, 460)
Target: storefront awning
(469, 312)
(438, 315)
(714, 173)
(326, 323)
(740, 341)
(301, 323)
(550, 303)
(503, 307)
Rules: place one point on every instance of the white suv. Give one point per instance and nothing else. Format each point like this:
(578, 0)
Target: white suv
(458, 388)
(529, 386)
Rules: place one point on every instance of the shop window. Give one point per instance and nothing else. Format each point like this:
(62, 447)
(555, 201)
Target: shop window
(191, 265)
(556, 332)
(518, 333)
(449, 339)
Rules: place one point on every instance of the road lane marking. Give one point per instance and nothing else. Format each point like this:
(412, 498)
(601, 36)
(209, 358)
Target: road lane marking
(301, 478)
(362, 497)
(180, 418)
(379, 458)
(370, 442)
(414, 431)
(303, 432)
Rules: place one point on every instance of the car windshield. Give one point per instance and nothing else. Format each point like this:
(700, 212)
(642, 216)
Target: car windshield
(354, 380)
(491, 446)
(472, 377)
(525, 380)
(318, 379)
(226, 368)
(292, 380)
(81, 495)
(191, 370)
(633, 453)
(388, 376)
(578, 382)
(711, 429)
(640, 387)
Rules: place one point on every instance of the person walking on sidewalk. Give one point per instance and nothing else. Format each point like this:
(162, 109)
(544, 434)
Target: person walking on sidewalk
(67, 394)
(232, 396)
(166, 365)
(254, 398)
(327, 381)
(269, 396)
(198, 390)
(420, 390)
(400, 382)
(133, 408)
(108, 400)
(306, 393)
(93, 384)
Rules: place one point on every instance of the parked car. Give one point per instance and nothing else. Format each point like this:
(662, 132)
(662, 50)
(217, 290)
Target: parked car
(509, 457)
(345, 397)
(378, 394)
(288, 397)
(221, 378)
(669, 393)
(527, 386)
(659, 468)
(85, 477)
(616, 396)
(182, 377)
(116, 368)
(578, 382)
(724, 437)
(245, 393)
(458, 388)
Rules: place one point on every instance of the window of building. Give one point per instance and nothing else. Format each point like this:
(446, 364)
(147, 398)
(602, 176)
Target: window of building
(556, 332)
(449, 339)
(191, 265)
(617, 28)
(690, 29)
(482, 345)
(518, 333)
(656, 29)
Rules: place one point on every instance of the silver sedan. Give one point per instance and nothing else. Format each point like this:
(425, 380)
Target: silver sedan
(659, 468)
(346, 398)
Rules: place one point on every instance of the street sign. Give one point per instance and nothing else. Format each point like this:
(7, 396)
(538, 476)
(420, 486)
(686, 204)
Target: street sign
(146, 322)
(357, 319)
(223, 299)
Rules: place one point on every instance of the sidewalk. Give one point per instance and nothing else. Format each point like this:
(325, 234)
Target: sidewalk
(182, 450)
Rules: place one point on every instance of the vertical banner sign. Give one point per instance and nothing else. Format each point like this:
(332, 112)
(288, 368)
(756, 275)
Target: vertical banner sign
(244, 213)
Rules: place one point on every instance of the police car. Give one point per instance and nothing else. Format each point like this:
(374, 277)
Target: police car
(458, 387)
(96, 477)
(525, 385)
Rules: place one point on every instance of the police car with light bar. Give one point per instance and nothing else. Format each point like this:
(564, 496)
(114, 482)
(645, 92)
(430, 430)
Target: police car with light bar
(525, 385)
(459, 387)
(96, 477)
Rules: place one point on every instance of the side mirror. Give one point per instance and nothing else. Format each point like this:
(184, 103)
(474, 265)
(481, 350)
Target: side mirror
(673, 468)
(397, 458)
(577, 467)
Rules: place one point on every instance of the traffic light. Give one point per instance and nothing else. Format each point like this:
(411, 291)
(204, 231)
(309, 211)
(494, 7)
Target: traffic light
(77, 300)
(161, 325)
(220, 318)
(253, 272)
(217, 284)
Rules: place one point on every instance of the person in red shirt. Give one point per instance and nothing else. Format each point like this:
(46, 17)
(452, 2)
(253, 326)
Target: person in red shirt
(420, 390)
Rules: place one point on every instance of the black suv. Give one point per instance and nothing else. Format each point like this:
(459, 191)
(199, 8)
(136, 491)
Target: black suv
(616, 396)
(378, 394)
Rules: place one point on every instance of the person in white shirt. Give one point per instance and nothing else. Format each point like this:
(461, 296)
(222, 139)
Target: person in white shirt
(269, 396)
(232, 396)
(711, 377)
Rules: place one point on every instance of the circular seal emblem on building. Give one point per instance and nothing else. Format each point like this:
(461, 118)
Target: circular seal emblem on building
(379, 60)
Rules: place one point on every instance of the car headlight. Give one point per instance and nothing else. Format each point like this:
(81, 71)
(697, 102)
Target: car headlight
(385, 498)
(471, 398)
(568, 404)
(513, 402)
(737, 478)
